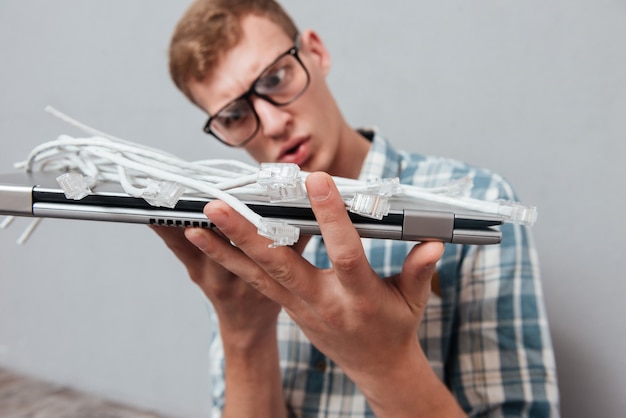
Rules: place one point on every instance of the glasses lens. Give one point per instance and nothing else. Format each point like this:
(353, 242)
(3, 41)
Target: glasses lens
(235, 123)
(280, 84)
(283, 81)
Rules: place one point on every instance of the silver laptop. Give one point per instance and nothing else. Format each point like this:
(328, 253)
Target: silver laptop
(39, 195)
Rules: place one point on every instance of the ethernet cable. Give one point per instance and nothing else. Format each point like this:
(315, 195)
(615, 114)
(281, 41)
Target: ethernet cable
(162, 178)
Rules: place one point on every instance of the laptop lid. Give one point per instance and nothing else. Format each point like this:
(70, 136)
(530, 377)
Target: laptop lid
(39, 195)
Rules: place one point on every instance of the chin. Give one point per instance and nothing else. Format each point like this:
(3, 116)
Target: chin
(308, 165)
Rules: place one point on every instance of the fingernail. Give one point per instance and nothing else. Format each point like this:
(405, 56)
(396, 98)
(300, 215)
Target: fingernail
(318, 188)
(196, 238)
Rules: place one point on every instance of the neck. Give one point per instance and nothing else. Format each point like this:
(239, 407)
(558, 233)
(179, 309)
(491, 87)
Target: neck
(351, 154)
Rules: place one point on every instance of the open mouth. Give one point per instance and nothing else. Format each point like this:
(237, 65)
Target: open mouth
(293, 150)
(297, 154)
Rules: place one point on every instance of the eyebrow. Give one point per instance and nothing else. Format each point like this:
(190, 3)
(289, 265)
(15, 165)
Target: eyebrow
(296, 44)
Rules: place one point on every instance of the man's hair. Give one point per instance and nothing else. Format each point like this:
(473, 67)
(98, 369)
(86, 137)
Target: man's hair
(209, 29)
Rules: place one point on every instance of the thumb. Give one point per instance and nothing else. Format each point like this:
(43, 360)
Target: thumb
(417, 272)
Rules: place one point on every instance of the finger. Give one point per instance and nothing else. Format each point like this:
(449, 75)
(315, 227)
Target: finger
(417, 272)
(269, 270)
(301, 244)
(176, 241)
(340, 237)
(220, 252)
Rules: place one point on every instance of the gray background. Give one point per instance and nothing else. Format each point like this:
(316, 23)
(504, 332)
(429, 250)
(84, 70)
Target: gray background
(535, 90)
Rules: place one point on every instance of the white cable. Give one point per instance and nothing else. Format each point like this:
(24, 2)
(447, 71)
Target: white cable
(209, 190)
(28, 232)
(6, 222)
(142, 171)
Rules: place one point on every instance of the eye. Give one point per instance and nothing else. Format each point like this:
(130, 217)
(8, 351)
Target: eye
(276, 78)
(234, 115)
(270, 82)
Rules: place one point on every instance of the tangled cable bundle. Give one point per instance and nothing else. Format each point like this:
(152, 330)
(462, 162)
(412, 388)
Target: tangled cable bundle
(161, 179)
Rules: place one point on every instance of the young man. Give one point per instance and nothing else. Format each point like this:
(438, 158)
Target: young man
(350, 327)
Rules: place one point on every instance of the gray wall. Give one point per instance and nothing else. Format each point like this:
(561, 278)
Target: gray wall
(535, 90)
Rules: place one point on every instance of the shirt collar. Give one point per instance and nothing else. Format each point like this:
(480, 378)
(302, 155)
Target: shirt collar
(382, 160)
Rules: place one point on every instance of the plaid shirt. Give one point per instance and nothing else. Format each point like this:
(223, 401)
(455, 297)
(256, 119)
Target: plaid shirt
(486, 334)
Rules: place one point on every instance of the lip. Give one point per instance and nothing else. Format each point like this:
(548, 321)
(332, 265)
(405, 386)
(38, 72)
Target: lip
(301, 154)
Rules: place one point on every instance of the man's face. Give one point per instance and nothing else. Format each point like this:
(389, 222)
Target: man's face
(305, 132)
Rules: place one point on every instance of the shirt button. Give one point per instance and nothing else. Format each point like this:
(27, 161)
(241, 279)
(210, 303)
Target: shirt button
(320, 366)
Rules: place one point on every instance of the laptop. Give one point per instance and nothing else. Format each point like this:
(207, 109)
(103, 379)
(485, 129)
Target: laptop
(39, 195)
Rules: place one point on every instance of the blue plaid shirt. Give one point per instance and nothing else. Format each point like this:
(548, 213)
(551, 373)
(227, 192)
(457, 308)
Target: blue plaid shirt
(485, 334)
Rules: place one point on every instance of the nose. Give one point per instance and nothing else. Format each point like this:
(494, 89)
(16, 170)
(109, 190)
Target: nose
(274, 119)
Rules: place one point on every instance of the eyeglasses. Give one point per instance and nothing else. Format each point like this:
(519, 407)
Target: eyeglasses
(280, 84)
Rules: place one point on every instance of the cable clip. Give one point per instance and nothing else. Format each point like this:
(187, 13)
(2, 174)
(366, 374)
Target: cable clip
(272, 174)
(162, 193)
(287, 193)
(370, 205)
(517, 213)
(384, 187)
(375, 202)
(282, 182)
(280, 232)
(75, 186)
(458, 187)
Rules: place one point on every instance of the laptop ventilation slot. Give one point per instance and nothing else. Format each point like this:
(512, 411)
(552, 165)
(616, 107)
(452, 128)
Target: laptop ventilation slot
(178, 222)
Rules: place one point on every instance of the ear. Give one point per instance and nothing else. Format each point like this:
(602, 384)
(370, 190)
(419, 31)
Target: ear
(312, 45)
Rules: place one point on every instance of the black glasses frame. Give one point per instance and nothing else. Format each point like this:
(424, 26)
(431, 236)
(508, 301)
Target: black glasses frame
(293, 51)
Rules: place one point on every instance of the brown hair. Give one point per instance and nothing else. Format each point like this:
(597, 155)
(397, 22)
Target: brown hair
(210, 28)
